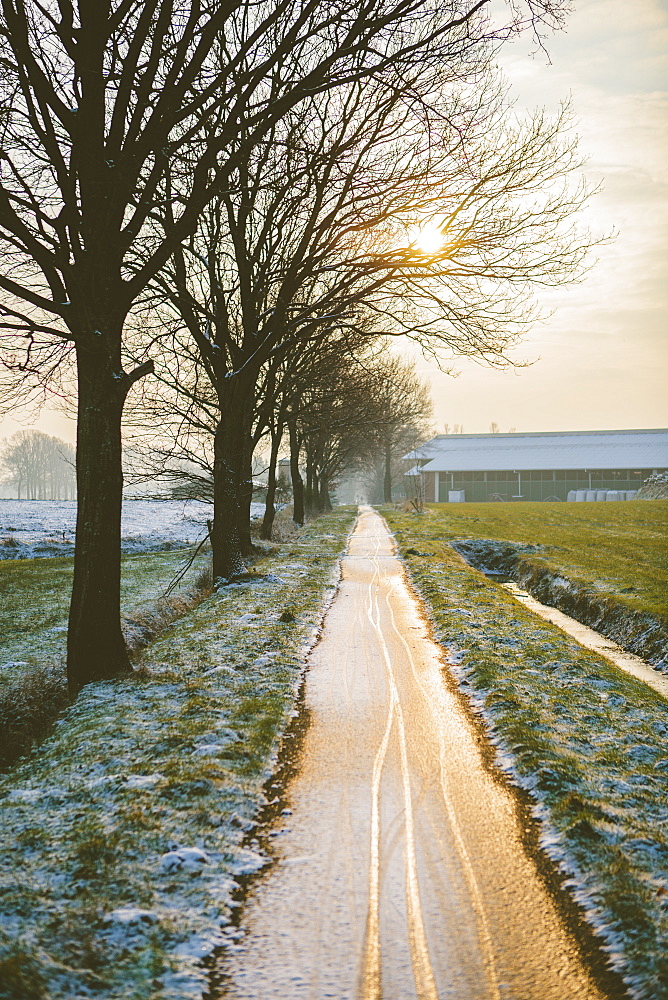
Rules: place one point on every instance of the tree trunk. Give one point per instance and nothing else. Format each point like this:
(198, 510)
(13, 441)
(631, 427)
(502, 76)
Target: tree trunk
(270, 506)
(246, 497)
(325, 499)
(295, 476)
(387, 481)
(308, 495)
(231, 503)
(95, 644)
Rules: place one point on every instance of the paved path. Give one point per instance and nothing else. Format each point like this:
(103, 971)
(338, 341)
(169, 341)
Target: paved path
(402, 874)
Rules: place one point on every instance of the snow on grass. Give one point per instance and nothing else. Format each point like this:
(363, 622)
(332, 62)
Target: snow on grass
(588, 742)
(33, 529)
(129, 826)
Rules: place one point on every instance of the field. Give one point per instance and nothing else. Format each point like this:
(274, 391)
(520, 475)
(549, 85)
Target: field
(145, 795)
(586, 742)
(618, 548)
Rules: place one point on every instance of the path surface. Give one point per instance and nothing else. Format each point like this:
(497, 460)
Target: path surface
(402, 873)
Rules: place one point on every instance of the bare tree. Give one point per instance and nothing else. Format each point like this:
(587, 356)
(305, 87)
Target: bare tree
(119, 122)
(400, 417)
(314, 236)
(260, 276)
(337, 425)
(307, 369)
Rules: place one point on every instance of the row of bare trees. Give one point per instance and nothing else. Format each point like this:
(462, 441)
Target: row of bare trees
(354, 418)
(38, 466)
(218, 192)
(338, 408)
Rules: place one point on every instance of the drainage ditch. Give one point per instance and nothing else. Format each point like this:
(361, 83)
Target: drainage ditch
(587, 637)
(635, 642)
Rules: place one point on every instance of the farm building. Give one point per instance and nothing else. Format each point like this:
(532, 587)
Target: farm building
(539, 465)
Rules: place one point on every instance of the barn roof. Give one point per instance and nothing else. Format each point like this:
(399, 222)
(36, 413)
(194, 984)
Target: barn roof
(636, 449)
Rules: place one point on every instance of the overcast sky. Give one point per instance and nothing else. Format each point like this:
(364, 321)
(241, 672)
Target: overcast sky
(601, 360)
(603, 355)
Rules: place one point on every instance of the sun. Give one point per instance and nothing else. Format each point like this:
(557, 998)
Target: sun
(428, 238)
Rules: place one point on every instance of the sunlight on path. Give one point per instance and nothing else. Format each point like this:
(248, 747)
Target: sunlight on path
(402, 873)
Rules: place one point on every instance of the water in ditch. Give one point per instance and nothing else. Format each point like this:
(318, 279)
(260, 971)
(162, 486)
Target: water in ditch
(588, 637)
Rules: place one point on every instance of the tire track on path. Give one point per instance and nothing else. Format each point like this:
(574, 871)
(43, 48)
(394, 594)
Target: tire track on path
(403, 872)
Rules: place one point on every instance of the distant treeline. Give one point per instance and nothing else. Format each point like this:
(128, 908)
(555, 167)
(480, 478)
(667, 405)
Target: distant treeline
(37, 466)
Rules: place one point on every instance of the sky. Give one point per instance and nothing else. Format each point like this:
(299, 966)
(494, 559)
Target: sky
(601, 360)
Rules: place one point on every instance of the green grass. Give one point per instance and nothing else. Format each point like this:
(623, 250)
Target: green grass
(617, 548)
(35, 598)
(86, 841)
(588, 742)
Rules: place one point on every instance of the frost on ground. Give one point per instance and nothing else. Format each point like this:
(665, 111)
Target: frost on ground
(33, 529)
(129, 826)
(588, 743)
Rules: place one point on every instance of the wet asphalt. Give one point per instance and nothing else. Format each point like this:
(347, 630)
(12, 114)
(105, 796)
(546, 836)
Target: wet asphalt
(404, 869)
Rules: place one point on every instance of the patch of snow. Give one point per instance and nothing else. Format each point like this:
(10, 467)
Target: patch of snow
(248, 862)
(235, 933)
(222, 668)
(143, 780)
(185, 984)
(131, 916)
(25, 794)
(200, 945)
(244, 824)
(225, 734)
(46, 528)
(266, 658)
(104, 779)
(209, 749)
(185, 859)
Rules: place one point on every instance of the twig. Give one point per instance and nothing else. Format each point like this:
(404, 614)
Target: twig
(182, 572)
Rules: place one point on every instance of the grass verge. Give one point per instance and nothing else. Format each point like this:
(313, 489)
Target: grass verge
(129, 824)
(36, 598)
(33, 684)
(587, 742)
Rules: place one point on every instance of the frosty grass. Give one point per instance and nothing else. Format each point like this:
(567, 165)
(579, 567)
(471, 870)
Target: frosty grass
(588, 742)
(33, 529)
(130, 824)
